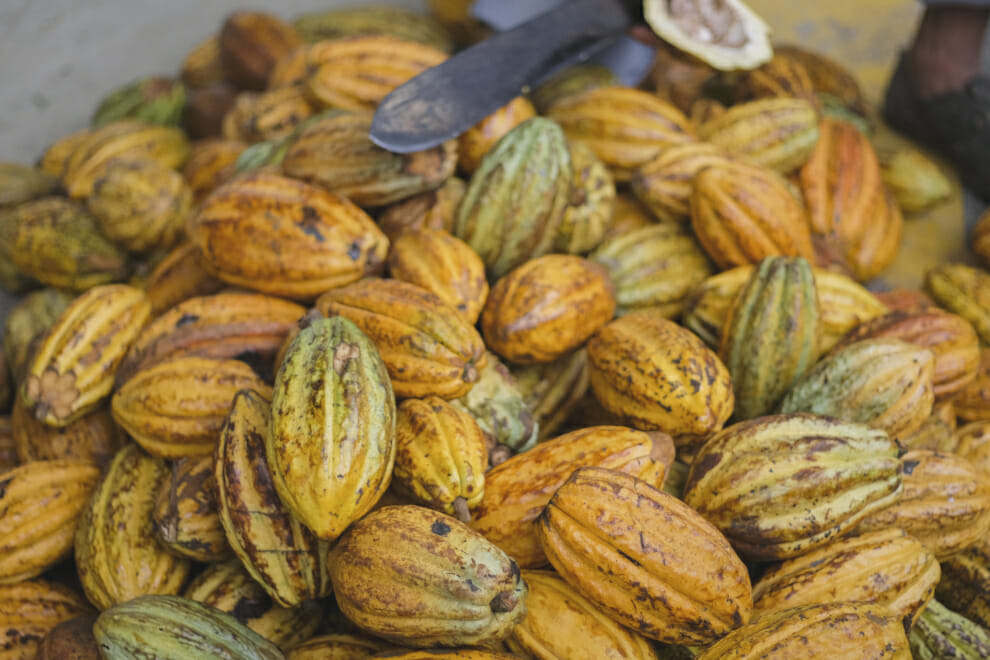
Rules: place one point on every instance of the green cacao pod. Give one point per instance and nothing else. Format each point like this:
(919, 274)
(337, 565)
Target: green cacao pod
(26, 322)
(770, 336)
(515, 201)
(22, 183)
(177, 628)
(941, 634)
(332, 445)
(155, 100)
(963, 290)
(780, 486)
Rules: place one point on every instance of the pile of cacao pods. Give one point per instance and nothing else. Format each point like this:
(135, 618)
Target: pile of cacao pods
(598, 379)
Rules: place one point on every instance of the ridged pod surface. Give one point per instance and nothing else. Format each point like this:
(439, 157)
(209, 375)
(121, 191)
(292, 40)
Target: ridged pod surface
(664, 184)
(305, 240)
(776, 133)
(277, 550)
(827, 76)
(653, 268)
(332, 446)
(588, 217)
(844, 304)
(30, 609)
(675, 384)
(338, 646)
(117, 555)
(551, 391)
(886, 383)
(515, 200)
(391, 21)
(945, 504)
(840, 631)
(221, 326)
(250, 43)
(949, 337)
(475, 142)
(93, 437)
(770, 335)
(443, 264)
(176, 408)
(742, 213)
(177, 629)
(73, 368)
(57, 242)
(625, 127)
(435, 209)
(963, 290)
(271, 115)
(427, 345)
(941, 633)
(517, 490)
(782, 77)
(185, 515)
(783, 485)
(335, 153)
(228, 587)
(210, 163)
(440, 456)
(40, 506)
(645, 558)
(26, 322)
(555, 611)
(886, 567)
(356, 73)
(180, 275)
(546, 308)
(420, 578)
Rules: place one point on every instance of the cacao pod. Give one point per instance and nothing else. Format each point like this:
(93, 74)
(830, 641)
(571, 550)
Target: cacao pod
(552, 391)
(435, 209)
(250, 43)
(30, 609)
(664, 184)
(185, 514)
(478, 140)
(963, 290)
(588, 216)
(941, 633)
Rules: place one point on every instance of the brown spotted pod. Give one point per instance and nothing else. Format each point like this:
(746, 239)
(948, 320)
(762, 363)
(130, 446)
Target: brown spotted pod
(553, 390)
(435, 209)
(30, 609)
(185, 514)
(664, 184)
(588, 216)
(250, 43)
(93, 437)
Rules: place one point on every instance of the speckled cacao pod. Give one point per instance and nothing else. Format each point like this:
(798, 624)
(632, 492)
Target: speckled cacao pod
(972, 403)
(676, 384)
(185, 514)
(515, 201)
(949, 337)
(588, 217)
(320, 241)
(963, 290)
(886, 383)
(279, 553)
(272, 115)
(176, 408)
(26, 322)
(570, 81)
(742, 213)
(965, 584)
(338, 646)
(848, 205)
(356, 73)
(30, 609)
(443, 264)
(664, 184)
(246, 326)
(941, 633)
(781, 77)
(54, 159)
(435, 209)
(886, 567)
(93, 437)
(776, 133)
(464, 590)
(653, 268)
(70, 640)
(500, 410)
(335, 153)
(650, 541)
(332, 445)
(228, 587)
(117, 556)
(551, 391)
(945, 504)
(844, 304)
(361, 20)
(176, 628)
(554, 611)
(71, 371)
(770, 335)
(40, 505)
(250, 44)
(478, 140)
(463, 653)
(846, 631)
(126, 138)
(440, 456)
(972, 442)
(56, 241)
(827, 76)
(180, 275)
(783, 485)
(517, 490)
(625, 127)
(211, 163)
(427, 345)
(140, 204)
(546, 308)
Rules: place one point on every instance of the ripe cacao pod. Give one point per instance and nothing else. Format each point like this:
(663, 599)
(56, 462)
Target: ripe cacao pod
(475, 142)
(93, 437)
(70, 640)
(551, 391)
(30, 609)
(435, 209)
(664, 184)
(250, 43)
(963, 290)
(185, 514)
(588, 216)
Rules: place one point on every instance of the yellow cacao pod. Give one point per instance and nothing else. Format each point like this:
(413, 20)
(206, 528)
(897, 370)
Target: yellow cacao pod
(337, 646)
(185, 514)
(552, 391)
(963, 290)
(30, 609)
(435, 209)
(664, 184)
(475, 142)
(211, 163)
